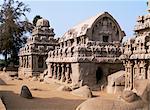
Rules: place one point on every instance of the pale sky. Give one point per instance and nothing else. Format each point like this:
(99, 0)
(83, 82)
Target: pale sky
(63, 14)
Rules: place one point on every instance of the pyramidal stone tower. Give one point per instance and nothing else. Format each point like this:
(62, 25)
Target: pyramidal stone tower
(33, 55)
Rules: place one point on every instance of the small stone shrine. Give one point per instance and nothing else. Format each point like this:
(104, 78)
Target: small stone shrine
(33, 55)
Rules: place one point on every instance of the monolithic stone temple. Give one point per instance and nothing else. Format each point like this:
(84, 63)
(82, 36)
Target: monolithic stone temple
(88, 52)
(136, 57)
(33, 55)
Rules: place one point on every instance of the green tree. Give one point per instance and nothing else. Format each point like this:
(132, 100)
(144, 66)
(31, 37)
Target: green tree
(35, 19)
(13, 26)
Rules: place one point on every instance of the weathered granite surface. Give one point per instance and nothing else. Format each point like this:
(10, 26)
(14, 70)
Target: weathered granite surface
(136, 53)
(88, 52)
(33, 55)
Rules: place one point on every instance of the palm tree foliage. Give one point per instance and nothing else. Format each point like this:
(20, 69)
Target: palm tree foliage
(13, 26)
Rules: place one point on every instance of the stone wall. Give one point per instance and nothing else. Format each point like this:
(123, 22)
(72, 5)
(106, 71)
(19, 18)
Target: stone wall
(75, 73)
(87, 72)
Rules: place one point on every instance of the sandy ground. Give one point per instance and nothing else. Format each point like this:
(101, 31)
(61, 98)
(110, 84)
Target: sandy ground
(46, 98)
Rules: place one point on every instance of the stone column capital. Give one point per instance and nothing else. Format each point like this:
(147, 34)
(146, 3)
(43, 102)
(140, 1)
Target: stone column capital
(62, 65)
(55, 64)
(67, 65)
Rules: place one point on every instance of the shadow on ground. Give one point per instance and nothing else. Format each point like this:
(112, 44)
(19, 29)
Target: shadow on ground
(2, 82)
(15, 102)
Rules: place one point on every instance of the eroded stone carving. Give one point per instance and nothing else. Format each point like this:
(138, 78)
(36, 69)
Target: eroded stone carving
(136, 53)
(84, 48)
(38, 45)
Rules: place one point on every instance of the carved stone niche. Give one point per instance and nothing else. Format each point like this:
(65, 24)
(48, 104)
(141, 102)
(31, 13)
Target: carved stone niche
(43, 38)
(41, 48)
(89, 44)
(49, 54)
(68, 43)
(57, 52)
(33, 47)
(72, 51)
(53, 53)
(35, 39)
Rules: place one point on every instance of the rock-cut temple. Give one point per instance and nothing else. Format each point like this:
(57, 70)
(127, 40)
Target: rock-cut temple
(87, 53)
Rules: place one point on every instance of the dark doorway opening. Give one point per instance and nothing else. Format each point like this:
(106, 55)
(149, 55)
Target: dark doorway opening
(99, 75)
(105, 38)
(40, 62)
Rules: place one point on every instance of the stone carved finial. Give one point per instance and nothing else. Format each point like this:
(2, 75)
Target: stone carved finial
(43, 23)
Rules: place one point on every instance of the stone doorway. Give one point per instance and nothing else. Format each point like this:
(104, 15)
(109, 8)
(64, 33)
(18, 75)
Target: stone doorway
(99, 74)
(40, 62)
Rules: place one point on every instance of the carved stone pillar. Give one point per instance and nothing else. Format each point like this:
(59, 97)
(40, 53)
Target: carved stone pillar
(55, 71)
(50, 67)
(75, 41)
(20, 61)
(142, 73)
(129, 76)
(136, 71)
(58, 71)
(126, 69)
(30, 62)
(24, 62)
(148, 72)
(68, 79)
(27, 65)
(63, 73)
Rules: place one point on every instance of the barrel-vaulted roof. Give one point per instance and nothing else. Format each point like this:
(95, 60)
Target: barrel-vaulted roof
(81, 28)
